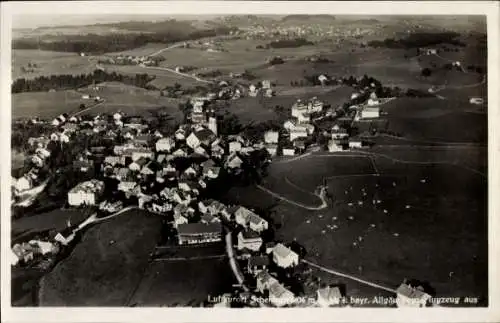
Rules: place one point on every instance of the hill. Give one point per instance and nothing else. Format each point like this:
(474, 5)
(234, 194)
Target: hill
(106, 266)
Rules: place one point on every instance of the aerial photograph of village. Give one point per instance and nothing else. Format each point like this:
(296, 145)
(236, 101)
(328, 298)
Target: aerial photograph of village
(261, 161)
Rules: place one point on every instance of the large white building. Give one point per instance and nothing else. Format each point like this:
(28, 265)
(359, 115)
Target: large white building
(370, 113)
(86, 193)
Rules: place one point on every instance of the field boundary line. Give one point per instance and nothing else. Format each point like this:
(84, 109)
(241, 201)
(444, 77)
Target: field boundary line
(337, 273)
(190, 258)
(444, 143)
(288, 181)
(425, 162)
(278, 196)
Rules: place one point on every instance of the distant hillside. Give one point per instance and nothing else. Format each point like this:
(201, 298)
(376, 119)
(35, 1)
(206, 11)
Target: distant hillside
(307, 19)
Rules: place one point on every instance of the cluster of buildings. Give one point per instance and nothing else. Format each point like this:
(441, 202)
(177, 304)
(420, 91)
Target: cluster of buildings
(130, 60)
(34, 250)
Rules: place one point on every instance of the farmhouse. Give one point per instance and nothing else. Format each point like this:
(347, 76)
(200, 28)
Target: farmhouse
(328, 296)
(408, 296)
(297, 132)
(195, 233)
(284, 257)
(290, 151)
(234, 146)
(136, 153)
(233, 161)
(197, 138)
(370, 113)
(86, 193)
(335, 145)
(264, 281)
(355, 143)
(280, 296)
(249, 239)
(272, 149)
(271, 137)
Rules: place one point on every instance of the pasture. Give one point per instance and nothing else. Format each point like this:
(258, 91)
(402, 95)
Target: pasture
(106, 266)
(45, 104)
(420, 203)
(183, 283)
(48, 63)
(436, 120)
(131, 100)
(117, 96)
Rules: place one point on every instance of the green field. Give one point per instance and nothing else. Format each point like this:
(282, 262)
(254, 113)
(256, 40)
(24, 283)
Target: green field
(49, 63)
(183, 283)
(436, 120)
(117, 96)
(452, 210)
(106, 266)
(45, 104)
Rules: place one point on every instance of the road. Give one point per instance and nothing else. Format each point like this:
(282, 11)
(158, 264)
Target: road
(232, 261)
(175, 72)
(359, 280)
(89, 108)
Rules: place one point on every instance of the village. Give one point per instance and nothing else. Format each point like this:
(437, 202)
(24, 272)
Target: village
(170, 175)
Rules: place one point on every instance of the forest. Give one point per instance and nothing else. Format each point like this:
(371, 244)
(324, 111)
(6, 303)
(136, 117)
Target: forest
(419, 40)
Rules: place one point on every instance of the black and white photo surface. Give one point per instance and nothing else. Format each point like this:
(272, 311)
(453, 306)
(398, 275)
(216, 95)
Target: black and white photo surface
(265, 160)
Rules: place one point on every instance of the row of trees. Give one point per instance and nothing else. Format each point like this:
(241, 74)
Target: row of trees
(69, 81)
(421, 39)
(286, 43)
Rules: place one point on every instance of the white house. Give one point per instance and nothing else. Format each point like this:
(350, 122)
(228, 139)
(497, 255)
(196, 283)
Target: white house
(288, 151)
(264, 281)
(272, 149)
(24, 183)
(249, 239)
(304, 118)
(297, 132)
(233, 161)
(165, 144)
(328, 296)
(298, 108)
(408, 296)
(180, 134)
(370, 113)
(334, 146)
(257, 223)
(280, 296)
(271, 137)
(234, 146)
(179, 219)
(241, 215)
(137, 153)
(284, 257)
(355, 143)
(86, 193)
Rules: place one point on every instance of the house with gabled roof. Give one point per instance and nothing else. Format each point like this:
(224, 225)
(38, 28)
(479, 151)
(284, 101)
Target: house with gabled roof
(208, 218)
(284, 257)
(328, 296)
(264, 281)
(165, 144)
(280, 296)
(233, 161)
(249, 239)
(138, 164)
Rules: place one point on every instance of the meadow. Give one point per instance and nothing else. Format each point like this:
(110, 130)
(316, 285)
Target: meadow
(117, 96)
(106, 266)
(387, 241)
(49, 63)
(436, 120)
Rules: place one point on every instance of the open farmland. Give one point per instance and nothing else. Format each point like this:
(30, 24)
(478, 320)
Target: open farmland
(106, 266)
(436, 120)
(48, 63)
(131, 100)
(45, 104)
(392, 249)
(183, 283)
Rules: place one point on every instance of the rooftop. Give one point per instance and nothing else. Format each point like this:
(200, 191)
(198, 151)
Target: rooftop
(199, 228)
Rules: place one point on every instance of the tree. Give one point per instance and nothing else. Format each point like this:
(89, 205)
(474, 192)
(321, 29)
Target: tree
(426, 72)
(82, 106)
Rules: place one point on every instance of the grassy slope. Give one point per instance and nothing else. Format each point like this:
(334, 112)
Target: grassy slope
(98, 273)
